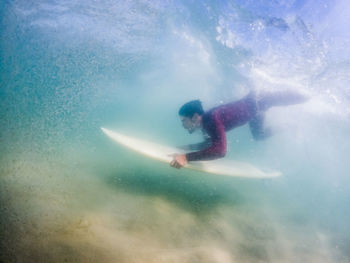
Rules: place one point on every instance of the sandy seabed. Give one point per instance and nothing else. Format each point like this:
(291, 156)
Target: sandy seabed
(52, 212)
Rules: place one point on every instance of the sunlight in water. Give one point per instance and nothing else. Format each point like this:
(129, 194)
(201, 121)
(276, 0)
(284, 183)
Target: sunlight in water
(69, 194)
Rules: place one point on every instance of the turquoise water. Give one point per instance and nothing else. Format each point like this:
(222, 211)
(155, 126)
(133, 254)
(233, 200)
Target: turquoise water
(68, 194)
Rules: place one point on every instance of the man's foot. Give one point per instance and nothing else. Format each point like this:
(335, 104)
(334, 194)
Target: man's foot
(258, 129)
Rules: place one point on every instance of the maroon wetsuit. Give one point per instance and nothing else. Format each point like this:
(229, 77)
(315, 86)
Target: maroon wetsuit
(219, 120)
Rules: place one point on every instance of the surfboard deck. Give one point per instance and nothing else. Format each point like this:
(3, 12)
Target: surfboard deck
(163, 153)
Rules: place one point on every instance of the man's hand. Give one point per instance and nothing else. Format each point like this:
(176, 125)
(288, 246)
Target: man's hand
(179, 161)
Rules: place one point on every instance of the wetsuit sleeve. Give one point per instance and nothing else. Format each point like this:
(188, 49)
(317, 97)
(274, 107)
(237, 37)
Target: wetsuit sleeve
(197, 146)
(216, 131)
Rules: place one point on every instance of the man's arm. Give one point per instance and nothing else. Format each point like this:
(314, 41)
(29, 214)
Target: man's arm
(217, 148)
(196, 146)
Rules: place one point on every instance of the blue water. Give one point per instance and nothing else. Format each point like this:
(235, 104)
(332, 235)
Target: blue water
(68, 194)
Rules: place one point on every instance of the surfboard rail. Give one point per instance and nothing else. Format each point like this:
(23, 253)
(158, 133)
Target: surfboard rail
(164, 154)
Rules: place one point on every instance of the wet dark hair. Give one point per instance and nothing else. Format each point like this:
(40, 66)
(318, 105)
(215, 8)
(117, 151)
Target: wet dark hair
(190, 108)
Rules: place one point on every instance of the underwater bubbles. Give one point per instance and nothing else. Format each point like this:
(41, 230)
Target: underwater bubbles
(67, 194)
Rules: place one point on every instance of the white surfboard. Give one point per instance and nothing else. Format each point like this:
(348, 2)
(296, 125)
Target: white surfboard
(163, 154)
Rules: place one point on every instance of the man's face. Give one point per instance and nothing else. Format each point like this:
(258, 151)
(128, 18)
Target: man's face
(190, 124)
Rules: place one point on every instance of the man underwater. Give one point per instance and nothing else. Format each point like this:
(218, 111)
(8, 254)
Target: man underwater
(215, 122)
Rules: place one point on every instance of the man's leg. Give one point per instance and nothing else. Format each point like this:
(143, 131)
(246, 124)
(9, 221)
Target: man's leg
(266, 100)
(257, 127)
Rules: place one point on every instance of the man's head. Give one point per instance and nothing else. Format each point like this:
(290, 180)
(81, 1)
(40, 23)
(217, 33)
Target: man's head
(191, 115)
